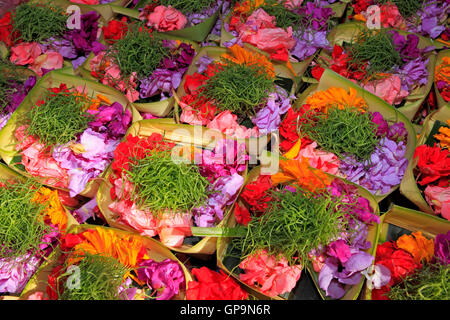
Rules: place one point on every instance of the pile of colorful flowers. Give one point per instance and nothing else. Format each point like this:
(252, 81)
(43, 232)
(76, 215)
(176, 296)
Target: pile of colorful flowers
(38, 36)
(433, 169)
(412, 267)
(287, 30)
(391, 65)
(427, 18)
(301, 217)
(67, 138)
(139, 63)
(235, 94)
(338, 134)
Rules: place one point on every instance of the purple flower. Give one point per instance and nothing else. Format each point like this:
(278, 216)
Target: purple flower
(203, 63)
(167, 77)
(86, 211)
(268, 118)
(16, 272)
(308, 42)
(227, 158)
(112, 119)
(335, 275)
(225, 191)
(413, 74)
(314, 16)
(166, 275)
(161, 81)
(442, 248)
(397, 132)
(385, 169)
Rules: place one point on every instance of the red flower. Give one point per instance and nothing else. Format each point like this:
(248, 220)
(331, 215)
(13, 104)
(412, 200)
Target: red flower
(433, 164)
(361, 5)
(115, 30)
(242, 215)
(288, 128)
(256, 195)
(211, 285)
(68, 241)
(52, 283)
(6, 35)
(193, 82)
(398, 261)
(317, 72)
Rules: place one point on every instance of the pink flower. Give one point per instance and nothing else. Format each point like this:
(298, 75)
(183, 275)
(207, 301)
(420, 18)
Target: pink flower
(439, 200)
(49, 60)
(25, 53)
(173, 227)
(38, 163)
(111, 76)
(271, 39)
(165, 19)
(274, 276)
(389, 89)
(191, 116)
(260, 19)
(226, 122)
(319, 159)
(293, 4)
(141, 221)
(38, 295)
(391, 17)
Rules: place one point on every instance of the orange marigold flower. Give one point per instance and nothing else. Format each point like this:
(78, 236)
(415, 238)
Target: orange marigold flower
(338, 97)
(54, 211)
(243, 56)
(128, 249)
(421, 248)
(299, 172)
(248, 6)
(442, 71)
(444, 136)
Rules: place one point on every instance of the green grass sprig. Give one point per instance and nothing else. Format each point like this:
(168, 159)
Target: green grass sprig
(343, 131)
(188, 6)
(38, 22)
(432, 282)
(60, 118)
(21, 221)
(407, 8)
(100, 279)
(284, 17)
(161, 184)
(138, 51)
(239, 88)
(377, 48)
(294, 224)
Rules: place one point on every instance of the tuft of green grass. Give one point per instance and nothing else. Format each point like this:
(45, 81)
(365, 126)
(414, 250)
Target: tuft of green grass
(377, 48)
(100, 279)
(60, 118)
(161, 184)
(432, 282)
(294, 224)
(138, 51)
(237, 87)
(22, 226)
(343, 131)
(38, 22)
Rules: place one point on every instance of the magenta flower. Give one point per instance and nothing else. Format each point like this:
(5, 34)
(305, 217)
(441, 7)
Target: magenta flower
(442, 248)
(166, 275)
